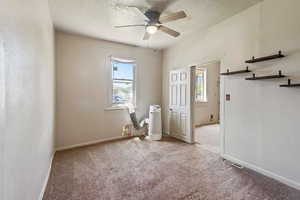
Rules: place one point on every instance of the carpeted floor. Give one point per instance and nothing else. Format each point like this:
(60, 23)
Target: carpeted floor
(137, 169)
(208, 137)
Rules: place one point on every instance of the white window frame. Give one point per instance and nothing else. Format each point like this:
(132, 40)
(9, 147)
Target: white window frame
(111, 105)
(205, 100)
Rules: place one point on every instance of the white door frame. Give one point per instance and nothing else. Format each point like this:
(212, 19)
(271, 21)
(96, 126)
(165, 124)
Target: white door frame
(2, 114)
(221, 108)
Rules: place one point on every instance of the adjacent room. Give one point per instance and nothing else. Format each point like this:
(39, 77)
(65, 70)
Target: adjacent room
(207, 106)
(149, 100)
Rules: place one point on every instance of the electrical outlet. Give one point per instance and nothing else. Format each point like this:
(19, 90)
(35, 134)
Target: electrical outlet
(227, 97)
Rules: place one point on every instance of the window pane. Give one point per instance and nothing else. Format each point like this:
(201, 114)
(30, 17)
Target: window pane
(123, 70)
(122, 92)
(200, 85)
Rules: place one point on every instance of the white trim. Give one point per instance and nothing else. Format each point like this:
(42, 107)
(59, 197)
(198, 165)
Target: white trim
(123, 60)
(166, 134)
(222, 114)
(90, 143)
(116, 108)
(203, 64)
(183, 138)
(207, 124)
(192, 103)
(267, 173)
(47, 178)
(2, 114)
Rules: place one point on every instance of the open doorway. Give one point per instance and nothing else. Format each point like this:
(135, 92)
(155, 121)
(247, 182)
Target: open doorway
(206, 107)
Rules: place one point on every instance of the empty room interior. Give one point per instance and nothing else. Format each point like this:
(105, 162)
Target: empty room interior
(149, 100)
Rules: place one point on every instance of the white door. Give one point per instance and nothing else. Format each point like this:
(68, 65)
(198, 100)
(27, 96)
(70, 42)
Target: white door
(180, 106)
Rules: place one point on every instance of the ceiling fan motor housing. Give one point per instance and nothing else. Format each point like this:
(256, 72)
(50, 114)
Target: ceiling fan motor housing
(153, 16)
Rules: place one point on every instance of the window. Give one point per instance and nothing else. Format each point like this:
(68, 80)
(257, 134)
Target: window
(123, 82)
(200, 85)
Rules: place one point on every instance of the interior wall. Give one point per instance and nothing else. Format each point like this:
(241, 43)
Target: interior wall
(82, 73)
(204, 110)
(259, 125)
(26, 98)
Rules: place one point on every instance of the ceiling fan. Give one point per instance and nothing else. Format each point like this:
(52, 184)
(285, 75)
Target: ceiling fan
(155, 22)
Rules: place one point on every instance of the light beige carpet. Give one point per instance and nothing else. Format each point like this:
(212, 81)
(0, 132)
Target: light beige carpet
(208, 137)
(144, 170)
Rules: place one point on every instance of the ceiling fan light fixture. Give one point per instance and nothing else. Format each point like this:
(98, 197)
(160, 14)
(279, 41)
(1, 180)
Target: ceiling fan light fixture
(151, 29)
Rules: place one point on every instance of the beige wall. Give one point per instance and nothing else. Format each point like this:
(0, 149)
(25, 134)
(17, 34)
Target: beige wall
(203, 110)
(259, 125)
(26, 98)
(82, 88)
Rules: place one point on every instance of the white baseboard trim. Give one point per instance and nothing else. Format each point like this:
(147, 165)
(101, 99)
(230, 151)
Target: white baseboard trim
(47, 178)
(90, 143)
(206, 124)
(166, 134)
(179, 137)
(267, 173)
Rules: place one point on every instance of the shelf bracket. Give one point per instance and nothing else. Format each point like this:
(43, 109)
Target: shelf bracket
(289, 84)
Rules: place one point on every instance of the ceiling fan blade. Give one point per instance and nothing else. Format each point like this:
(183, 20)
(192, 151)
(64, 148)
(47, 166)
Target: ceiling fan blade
(136, 25)
(172, 17)
(147, 36)
(139, 8)
(160, 5)
(169, 31)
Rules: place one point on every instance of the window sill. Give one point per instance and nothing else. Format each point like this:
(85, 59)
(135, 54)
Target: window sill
(200, 102)
(115, 108)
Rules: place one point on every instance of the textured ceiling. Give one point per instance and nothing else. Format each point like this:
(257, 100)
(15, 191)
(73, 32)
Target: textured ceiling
(96, 18)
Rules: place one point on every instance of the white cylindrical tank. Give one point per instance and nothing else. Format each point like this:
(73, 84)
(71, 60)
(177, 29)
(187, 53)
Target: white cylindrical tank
(155, 131)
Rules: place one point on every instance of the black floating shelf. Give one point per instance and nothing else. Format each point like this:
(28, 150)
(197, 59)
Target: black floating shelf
(254, 60)
(290, 84)
(236, 72)
(266, 77)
